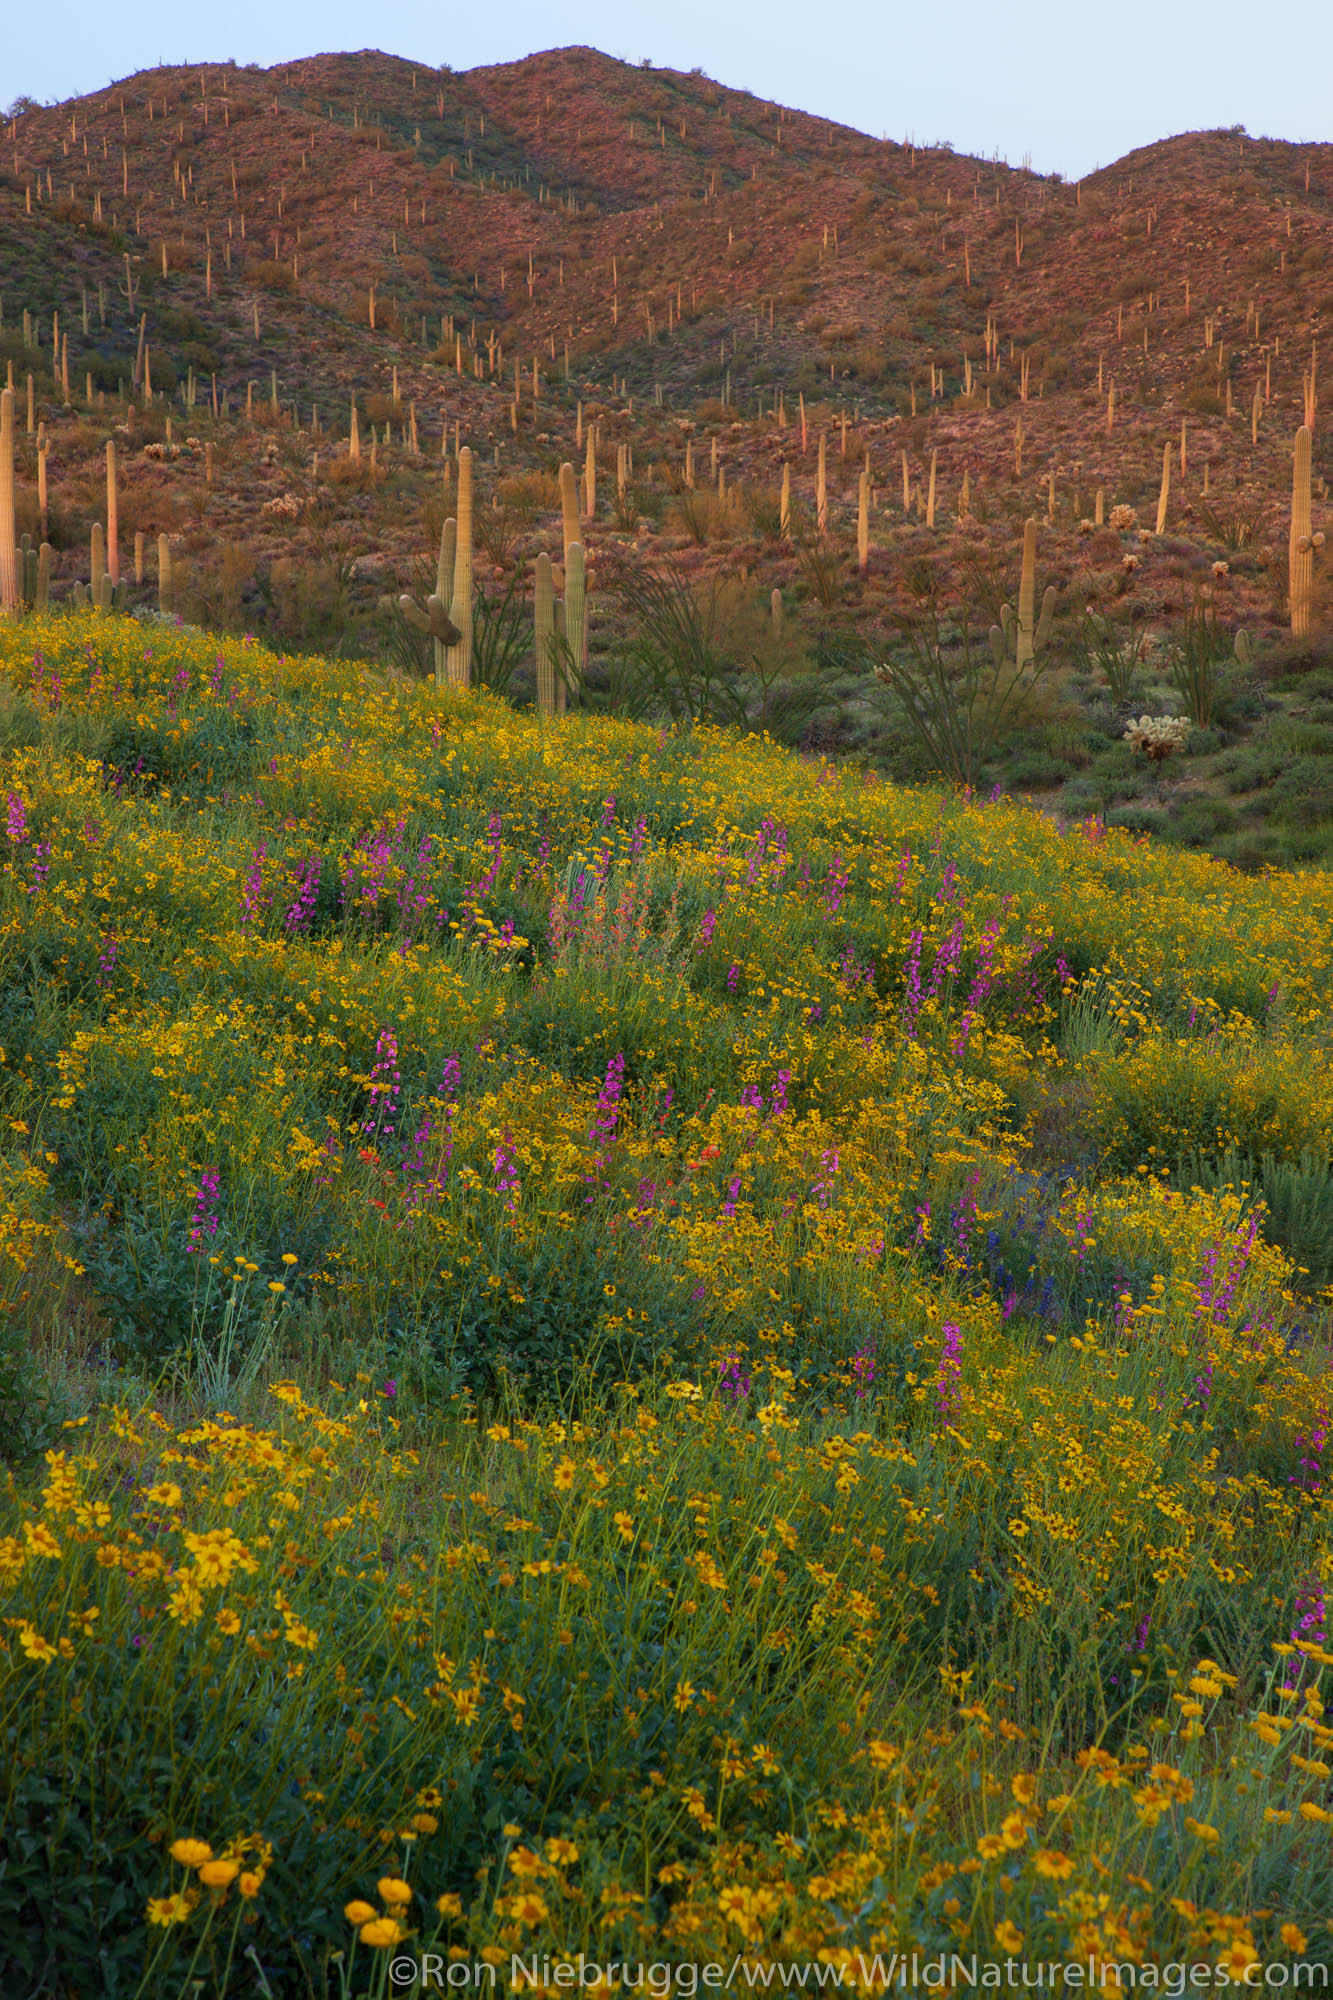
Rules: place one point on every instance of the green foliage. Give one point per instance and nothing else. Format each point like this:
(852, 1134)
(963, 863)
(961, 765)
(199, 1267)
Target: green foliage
(675, 646)
(961, 698)
(1197, 654)
(1233, 527)
(1297, 1198)
(1111, 649)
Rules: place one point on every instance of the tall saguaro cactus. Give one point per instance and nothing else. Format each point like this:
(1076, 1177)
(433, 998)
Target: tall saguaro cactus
(569, 506)
(1165, 493)
(444, 593)
(1026, 633)
(459, 662)
(576, 606)
(1027, 591)
(9, 577)
(550, 683)
(112, 515)
(1303, 542)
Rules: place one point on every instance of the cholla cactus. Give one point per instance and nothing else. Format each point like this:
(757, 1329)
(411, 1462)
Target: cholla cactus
(1158, 736)
(1123, 519)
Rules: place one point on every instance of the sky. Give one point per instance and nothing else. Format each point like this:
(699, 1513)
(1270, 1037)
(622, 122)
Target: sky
(1068, 87)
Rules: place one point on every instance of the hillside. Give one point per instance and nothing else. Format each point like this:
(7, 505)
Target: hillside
(616, 1341)
(680, 262)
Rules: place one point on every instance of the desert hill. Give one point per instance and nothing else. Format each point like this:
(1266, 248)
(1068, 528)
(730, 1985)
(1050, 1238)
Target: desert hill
(492, 257)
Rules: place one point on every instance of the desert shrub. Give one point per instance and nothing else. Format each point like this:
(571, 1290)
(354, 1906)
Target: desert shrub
(380, 409)
(700, 514)
(1172, 1098)
(1297, 1197)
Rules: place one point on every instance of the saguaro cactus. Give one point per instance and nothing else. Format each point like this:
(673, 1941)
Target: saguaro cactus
(1303, 542)
(784, 504)
(112, 515)
(590, 475)
(433, 616)
(821, 488)
(459, 662)
(9, 580)
(1166, 488)
(576, 606)
(569, 506)
(444, 596)
(166, 596)
(550, 683)
(863, 523)
(1017, 630)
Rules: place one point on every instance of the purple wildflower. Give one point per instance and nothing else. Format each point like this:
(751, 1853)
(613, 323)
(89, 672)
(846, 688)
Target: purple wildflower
(950, 1372)
(204, 1221)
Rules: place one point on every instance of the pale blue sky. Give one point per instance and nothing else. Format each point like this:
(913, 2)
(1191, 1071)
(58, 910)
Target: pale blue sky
(1073, 85)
